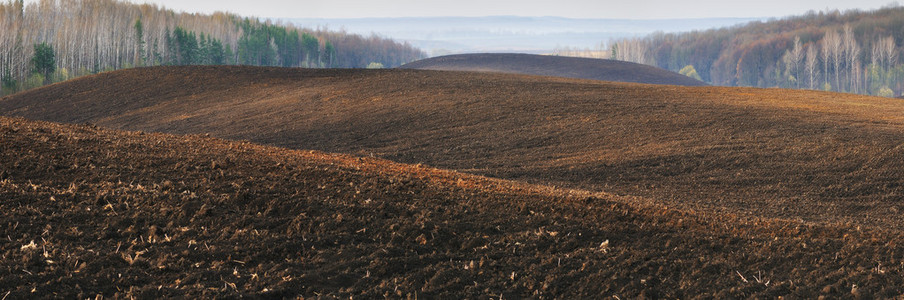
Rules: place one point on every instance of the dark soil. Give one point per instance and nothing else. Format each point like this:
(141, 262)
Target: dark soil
(558, 66)
(699, 191)
(89, 211)
(796, 155)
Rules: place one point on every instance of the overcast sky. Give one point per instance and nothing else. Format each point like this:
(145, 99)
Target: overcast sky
(602, 9)
(621, 9)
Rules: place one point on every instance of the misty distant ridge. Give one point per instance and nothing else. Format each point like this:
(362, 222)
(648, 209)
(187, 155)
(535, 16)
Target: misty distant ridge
(448, 35)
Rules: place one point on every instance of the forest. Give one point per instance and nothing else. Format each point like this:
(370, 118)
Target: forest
(55, 40)
(851, 51)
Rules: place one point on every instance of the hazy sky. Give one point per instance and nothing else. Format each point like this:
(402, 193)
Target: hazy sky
(621, 9)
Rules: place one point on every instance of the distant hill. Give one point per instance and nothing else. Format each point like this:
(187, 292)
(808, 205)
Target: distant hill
(559, 66)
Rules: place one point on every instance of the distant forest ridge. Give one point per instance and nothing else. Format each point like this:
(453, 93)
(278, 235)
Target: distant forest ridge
(853, 51)
(539, 35)
(55, 40)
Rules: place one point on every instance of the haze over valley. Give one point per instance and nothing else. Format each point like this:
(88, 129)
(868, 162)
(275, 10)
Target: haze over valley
(538, 35)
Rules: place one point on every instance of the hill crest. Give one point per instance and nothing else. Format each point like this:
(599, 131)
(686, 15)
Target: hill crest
(558, 66)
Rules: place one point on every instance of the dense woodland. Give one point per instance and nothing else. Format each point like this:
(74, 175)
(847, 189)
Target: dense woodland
(854, 52)
(54, 40)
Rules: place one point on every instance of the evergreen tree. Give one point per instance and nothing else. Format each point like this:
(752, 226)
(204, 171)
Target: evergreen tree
(203, 50)
(169, 43)
(186, 47)
(330, 52)
(44, 61)
(217, 55)
(139, 36)
(311, 47)
(157, 56)
(256, 46)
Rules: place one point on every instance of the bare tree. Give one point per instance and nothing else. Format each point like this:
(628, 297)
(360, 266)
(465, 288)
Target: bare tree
(796, 56)
(848, 43)
(876, 55)
(12, 65)
(633, 50)
(857, 77)
(891, 52)
(811, 65)
(886, 50)
(832, 41)
(851, 54)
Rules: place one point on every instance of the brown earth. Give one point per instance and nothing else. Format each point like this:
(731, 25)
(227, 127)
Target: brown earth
(558, 66)
(811, 156)
(804, 187)
(89, 211)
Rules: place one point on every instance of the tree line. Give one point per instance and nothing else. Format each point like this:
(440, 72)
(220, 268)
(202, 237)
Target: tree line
(90, 36)
(853, 52)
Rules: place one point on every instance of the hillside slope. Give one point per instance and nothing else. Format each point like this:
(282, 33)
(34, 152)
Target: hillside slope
(558, 66)
(88, 212)
(817, 157)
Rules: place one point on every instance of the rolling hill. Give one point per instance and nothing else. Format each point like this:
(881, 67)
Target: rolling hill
(797, 155)
(558, 66)
(91, 213)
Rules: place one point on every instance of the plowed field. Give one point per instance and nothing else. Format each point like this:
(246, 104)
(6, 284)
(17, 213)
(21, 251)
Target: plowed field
(90, 212)
(592, 188)
(811, 156)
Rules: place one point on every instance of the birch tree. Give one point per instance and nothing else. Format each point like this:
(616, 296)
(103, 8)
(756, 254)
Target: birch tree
(834, 51)
(828, 42)
(796, 55)
(811, 65)
(633, 50)
(852, 55)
